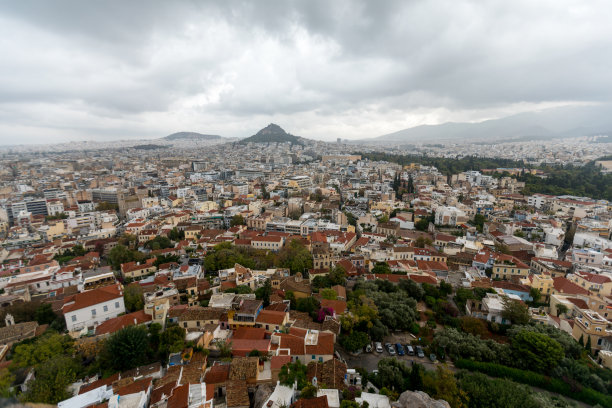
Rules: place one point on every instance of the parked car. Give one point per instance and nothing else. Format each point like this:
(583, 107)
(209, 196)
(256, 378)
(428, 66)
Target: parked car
(378, 346)
(400, 349)
(390, 349)
(409, 350)
(432, 357)
(419, 351)
(368, 348)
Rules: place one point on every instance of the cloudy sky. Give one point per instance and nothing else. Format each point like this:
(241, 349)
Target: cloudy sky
(79, 70)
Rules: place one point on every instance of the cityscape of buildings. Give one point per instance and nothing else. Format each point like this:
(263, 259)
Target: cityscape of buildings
(250, 255)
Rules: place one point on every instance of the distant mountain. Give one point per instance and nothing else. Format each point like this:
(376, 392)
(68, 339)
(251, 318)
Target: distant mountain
(272, 134)
(564, 122)
(190, 136)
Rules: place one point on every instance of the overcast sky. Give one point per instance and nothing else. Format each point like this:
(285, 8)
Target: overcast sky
(81, 70)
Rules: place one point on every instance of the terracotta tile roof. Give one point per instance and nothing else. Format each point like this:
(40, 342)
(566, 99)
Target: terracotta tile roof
(277, 307)
(564, 285)
(119, 322)
(180, 397)
(594, 278)
(217, 374)
(424, 279)
(271, 317)
(318, 402)
(237, 394)
(161, 393)
(338, 306)
(331, 373)
(98, 383)
(92, 297)
(276, 362)
(135, 387)
(242, 347)
(243, 368)
(201, 313)
(581, 304)
(249, 333)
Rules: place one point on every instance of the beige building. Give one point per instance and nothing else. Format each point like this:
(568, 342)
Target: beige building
(591, 324)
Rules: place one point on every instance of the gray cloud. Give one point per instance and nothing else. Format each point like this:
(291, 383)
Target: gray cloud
(98, 71)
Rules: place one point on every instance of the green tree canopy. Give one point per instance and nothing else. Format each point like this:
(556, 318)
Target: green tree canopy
(537, 351)
(515, 311)
(133, 297)
(126, 349)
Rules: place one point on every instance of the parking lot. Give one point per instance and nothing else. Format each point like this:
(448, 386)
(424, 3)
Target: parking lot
(369, 361)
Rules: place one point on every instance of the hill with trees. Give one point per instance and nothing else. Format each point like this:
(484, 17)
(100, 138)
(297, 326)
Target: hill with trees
(272, 134)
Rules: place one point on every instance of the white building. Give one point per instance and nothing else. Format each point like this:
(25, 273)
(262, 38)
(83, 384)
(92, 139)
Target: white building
(90, 308)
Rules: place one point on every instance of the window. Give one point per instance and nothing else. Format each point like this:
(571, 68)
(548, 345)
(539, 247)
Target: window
(93, 312)
(74, 318)
(105, 308)
(116, 305)
(313, 356)
(598, 329)
(185, 324)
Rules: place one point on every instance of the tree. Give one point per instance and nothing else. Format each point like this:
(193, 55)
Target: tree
(126, 349)
(225, 348)
(495, 392)
(293, 372)
(6, 381)
(416, 377)
(309, 391)
(422, 241)
(41, 350)
(308, 305)
(561, 309)
(52, 380)
(443, 385)
(588, 344)
(337, 276)
(381, 268)
(106, 206)
(536, 351)
(296, 257)
(237, 220)
(515, 311)
(264, 192)
(45, 314)
(133, 297)
(581, 340)
(159, 242)
(422, 224)
(264, 292)
(118, 255)
(474, 326)
(172, 340)
(355, 341)
(535, 294)
(328, 294)
(479, 221)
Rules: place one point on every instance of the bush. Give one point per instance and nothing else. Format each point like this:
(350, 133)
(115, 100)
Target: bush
(586, 395)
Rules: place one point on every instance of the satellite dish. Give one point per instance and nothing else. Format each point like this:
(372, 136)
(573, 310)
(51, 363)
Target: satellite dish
(314, 381)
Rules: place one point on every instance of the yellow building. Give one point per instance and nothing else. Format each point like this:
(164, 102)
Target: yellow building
(591, 324)
(56, 229)
(542, 282)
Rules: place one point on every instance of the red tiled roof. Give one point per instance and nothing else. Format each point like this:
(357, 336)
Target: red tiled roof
(424, 279)
(135, 387)
(271, 317)
(119, 322)
(339, 306)
(92, 297)
(564, 285)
